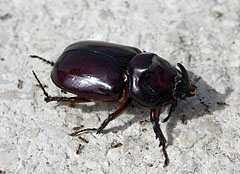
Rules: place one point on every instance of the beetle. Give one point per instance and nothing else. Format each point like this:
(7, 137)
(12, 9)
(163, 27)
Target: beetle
(97, 71)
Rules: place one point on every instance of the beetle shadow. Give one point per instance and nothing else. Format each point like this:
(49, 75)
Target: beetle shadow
(138, 112)
(206, 101)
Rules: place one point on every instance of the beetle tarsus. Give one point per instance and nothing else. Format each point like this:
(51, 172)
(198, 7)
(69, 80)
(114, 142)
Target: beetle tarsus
(154, 118)
(44, 91)
(163, 144)
(44, 60)
(166, 162)
(74, 134)
(67, 99)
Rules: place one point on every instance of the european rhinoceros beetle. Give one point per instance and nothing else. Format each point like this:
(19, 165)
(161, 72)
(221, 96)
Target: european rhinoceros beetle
(98, 71)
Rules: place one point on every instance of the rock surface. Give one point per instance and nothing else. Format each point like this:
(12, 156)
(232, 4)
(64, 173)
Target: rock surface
(202, 35)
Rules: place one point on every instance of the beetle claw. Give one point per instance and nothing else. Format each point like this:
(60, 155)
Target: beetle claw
(99, 130)
(162, 144)
(47, 99)
(165, 119)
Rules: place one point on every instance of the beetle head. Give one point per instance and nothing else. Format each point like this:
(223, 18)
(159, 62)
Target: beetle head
(184, 88)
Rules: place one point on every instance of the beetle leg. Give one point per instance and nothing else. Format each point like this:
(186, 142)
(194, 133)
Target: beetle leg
(114, 115)
(48, 98)
(83, 131)
(173, 107)
(154, 118)
(66, 99)
(44, 60)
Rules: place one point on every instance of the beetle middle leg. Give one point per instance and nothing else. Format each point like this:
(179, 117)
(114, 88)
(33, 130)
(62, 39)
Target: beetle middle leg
(111, 117)
(154, 118)
(114, 115)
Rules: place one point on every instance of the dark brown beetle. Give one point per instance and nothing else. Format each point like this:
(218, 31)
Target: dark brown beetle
(111, 73)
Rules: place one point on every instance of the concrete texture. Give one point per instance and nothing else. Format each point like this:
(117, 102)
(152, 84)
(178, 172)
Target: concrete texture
(203, 134)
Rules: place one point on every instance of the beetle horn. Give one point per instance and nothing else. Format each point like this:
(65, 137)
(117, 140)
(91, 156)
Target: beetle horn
(184, 74)
(191, 89)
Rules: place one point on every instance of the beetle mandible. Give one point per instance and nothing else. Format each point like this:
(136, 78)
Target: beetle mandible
(97, 71)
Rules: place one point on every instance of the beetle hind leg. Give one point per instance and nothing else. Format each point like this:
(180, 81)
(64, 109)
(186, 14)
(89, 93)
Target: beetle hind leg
(41, 86)
(154, 118)
(48, 98)
(72, 100)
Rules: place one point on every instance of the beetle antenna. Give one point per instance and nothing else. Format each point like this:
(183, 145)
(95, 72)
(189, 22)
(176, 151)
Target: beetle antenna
(44, 92)
(44, 60)
(83, 130)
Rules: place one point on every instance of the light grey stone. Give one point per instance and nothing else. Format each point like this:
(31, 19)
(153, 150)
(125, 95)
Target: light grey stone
(202, 35)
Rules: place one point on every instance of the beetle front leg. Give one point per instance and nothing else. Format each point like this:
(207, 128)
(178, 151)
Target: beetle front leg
(173, 107)
(154, 118)
(114, 115)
